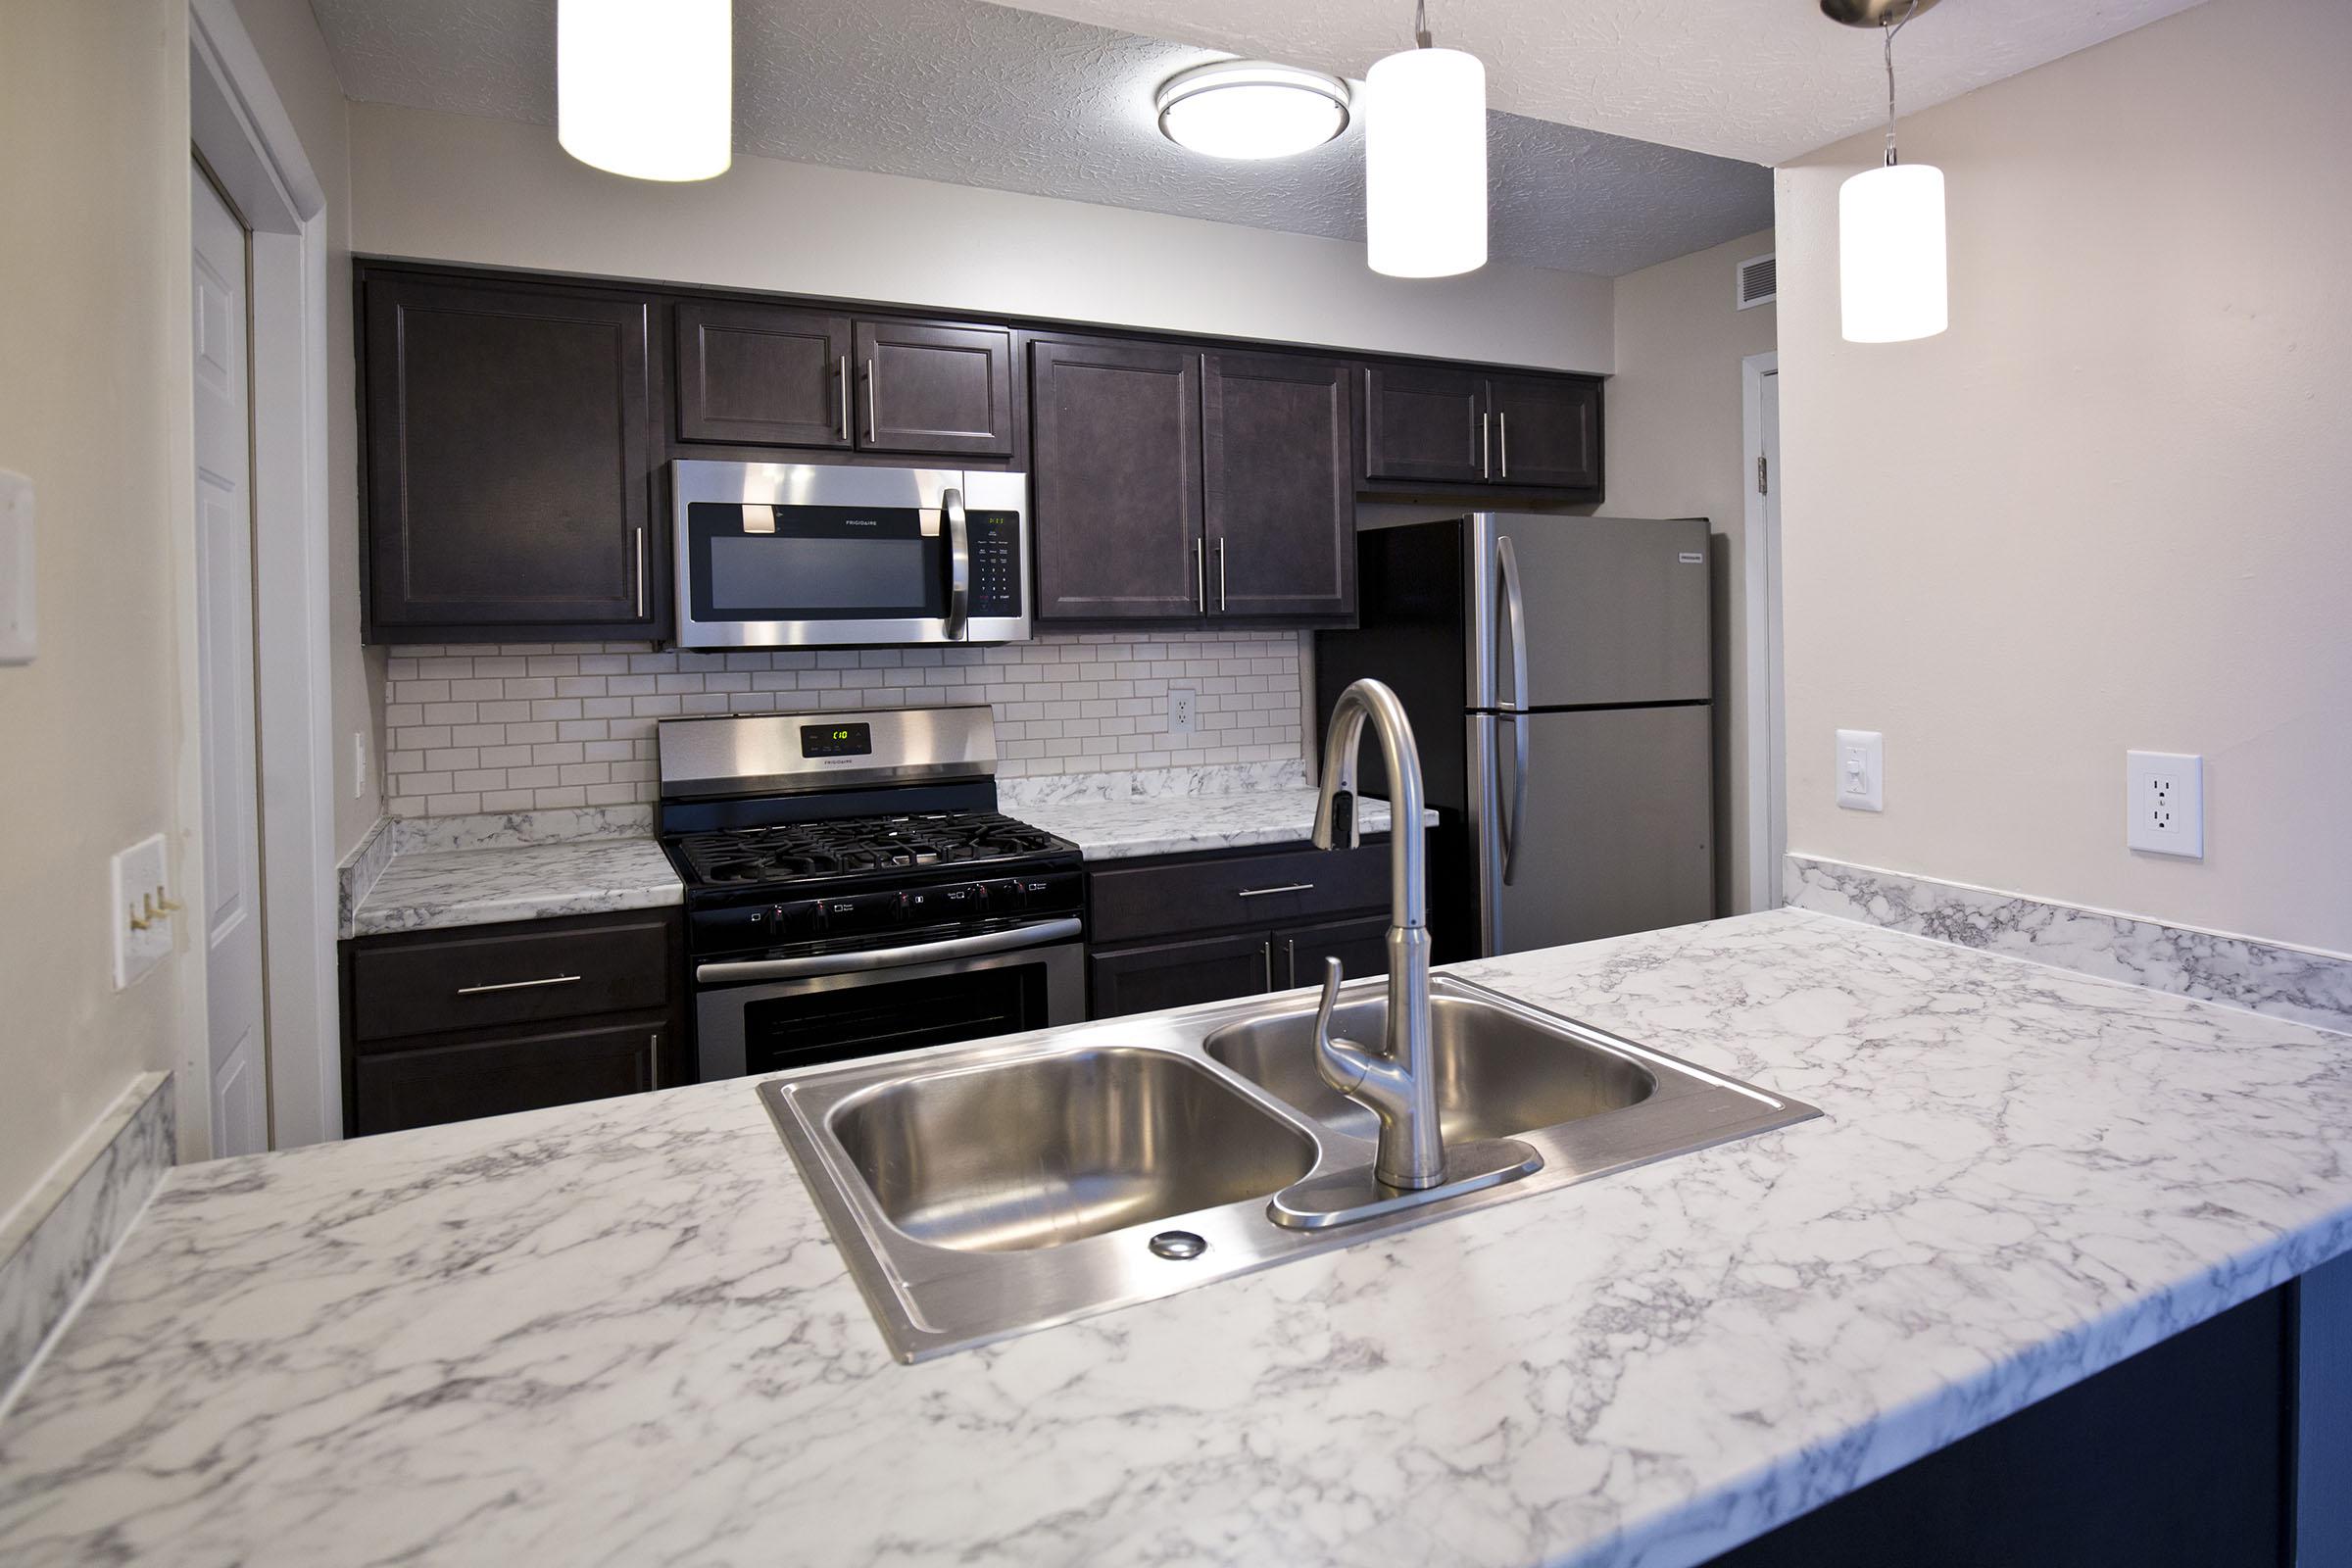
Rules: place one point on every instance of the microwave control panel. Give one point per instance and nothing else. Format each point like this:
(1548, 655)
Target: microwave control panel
(996, 564)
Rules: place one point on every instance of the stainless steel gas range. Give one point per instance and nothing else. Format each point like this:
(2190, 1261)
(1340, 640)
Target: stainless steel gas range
(852, 889)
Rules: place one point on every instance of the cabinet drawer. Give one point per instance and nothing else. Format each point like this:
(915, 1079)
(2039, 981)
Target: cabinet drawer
(493, 1077)
(1215, 895)
(518, 975)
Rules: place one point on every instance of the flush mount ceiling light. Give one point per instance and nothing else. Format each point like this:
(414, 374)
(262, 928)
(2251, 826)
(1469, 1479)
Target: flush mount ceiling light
(647, 90)
(1425, 161)
(1891, 254)
(1251, 109)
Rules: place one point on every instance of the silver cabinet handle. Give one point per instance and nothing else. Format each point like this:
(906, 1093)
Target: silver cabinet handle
(1486, 444)
(1503, 439)
(1287, 887)
(1220, 573)
(1028, 936)
(1290, 955)
(873, 414)
(653, 1059)
(641, 575)
(845, 400)
(960, 563)
(1265, 951)
(520, 985)
(1199, 580)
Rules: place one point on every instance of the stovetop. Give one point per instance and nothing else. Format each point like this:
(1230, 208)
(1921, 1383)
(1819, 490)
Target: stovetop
(793, 855)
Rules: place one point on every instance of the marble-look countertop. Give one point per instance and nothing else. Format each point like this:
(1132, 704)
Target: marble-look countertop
(616, 1333)
(1178, 824)
(429, 888)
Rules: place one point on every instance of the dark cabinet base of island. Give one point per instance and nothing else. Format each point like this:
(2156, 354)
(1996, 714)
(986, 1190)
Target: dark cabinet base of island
(448, 1025)
(2182, 1456)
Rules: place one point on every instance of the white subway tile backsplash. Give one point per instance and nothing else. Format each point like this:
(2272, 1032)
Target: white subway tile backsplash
(529, 728)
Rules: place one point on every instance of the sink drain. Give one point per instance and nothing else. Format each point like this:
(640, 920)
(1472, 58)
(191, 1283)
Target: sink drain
(1178, 1245)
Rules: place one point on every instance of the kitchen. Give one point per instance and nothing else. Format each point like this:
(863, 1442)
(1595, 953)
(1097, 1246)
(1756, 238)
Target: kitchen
(1743, 1221)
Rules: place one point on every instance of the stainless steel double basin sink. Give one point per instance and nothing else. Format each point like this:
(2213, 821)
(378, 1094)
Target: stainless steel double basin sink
(988, 1189)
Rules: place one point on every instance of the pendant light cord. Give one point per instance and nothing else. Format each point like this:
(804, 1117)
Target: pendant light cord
(1890, 32)
(1421, 23)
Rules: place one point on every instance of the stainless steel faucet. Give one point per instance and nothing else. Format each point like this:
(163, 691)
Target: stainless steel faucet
(1397, 1084)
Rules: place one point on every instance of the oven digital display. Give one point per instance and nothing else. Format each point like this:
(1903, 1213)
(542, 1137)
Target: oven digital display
(837, 740)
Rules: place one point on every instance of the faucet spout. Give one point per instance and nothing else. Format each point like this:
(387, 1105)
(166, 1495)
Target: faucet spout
(1396, 1083)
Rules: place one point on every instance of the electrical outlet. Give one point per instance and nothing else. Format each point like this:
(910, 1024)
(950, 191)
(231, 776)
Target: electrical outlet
(359, 764)
(142, 911)
(1862, 769)
(1184, 711)
(2164, 802)
(18, 643)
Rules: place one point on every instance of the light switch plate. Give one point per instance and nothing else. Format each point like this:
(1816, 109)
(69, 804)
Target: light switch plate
(17, 643)
(1862, 769)
(142, 915)
(2164, 802)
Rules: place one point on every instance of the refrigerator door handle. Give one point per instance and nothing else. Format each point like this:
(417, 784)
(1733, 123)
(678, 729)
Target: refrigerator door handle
(1508, 562)
(1517, 816)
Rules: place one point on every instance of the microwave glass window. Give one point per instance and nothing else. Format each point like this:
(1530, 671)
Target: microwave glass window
(861, 575)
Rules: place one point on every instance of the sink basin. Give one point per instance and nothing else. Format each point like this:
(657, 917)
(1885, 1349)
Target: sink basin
(979, 1191)
(1499, 1072)
(1044, 1152)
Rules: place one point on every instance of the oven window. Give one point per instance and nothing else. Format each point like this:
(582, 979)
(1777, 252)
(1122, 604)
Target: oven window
(871, 1018)
(808, 563)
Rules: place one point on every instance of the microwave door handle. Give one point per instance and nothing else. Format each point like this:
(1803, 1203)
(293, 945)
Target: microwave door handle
(960, 565)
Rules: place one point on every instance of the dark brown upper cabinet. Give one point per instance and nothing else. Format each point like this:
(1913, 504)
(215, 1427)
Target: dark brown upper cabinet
(1546, 432)
(509, 458)
(936, 389)
(1278, 461)
(762, 375)
(1437, 426)
(1115, 481)
(758, 374)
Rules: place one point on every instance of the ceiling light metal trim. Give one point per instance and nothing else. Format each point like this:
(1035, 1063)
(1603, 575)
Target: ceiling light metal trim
(1872, 13)
(1219, 75)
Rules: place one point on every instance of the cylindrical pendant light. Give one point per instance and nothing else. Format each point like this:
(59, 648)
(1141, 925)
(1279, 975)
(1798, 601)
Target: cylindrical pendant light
(1425, 162)
(1892, 282)
(646, 88)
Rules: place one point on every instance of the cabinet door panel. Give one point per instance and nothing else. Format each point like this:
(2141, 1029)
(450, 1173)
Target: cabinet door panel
(763, 374)
(1278, 458)
(492, 1077)
(935, 389)
(1547, 432)
(1424, 424)
(1116, 481)
(1361, 945)
(1177, 974)
(508, 457)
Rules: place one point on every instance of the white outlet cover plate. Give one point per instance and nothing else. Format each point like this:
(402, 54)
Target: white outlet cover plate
(17, 643)
(139, 872)
(1862, 769)
(1184, 711)
(2164, 802)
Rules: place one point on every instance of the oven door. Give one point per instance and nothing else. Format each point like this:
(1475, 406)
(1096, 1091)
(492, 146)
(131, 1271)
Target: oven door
(770, 1016)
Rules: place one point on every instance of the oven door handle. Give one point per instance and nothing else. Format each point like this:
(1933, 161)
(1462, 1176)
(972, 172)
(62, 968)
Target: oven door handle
(960, 565)
(1027, 936)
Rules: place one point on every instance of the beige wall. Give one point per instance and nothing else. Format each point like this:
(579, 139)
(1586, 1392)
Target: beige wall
(1676, 450)
(448, 187)
(2106, 509)
(94, 405)
(287, 36)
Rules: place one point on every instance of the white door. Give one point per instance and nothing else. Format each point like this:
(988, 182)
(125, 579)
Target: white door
(233, 849)
(1768, 411)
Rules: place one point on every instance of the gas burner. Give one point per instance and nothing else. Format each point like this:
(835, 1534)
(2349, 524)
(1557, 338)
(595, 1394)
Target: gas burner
(790, 852)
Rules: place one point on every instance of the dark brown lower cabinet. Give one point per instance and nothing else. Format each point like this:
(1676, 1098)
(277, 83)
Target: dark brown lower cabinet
(1172, 931)
(447, 1025)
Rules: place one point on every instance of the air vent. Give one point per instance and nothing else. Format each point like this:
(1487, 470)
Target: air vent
(1759, 281)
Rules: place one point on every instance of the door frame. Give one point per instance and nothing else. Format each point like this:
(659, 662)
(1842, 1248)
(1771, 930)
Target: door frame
(1767, 829)
(239, 128)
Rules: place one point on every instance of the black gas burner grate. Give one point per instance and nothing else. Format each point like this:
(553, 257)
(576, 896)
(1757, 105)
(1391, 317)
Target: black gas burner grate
(752, 856)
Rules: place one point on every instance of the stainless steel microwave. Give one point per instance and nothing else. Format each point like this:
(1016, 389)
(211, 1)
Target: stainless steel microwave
(779, 555)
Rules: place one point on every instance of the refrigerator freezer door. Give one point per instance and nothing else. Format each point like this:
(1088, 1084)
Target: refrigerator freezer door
(1617, 831)
(1607, 610)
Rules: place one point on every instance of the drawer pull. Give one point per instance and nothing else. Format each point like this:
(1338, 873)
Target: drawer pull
(1287, 887)
(522, 985)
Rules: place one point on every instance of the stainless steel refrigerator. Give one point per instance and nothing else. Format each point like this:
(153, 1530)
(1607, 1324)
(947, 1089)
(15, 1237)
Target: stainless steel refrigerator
(1558, 675)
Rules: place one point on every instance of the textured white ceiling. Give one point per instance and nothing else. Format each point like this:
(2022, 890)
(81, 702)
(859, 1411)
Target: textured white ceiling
(1763, 81)
(979, 94)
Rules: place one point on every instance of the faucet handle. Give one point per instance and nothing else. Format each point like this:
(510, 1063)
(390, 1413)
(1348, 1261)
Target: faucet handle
(1333, 974)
